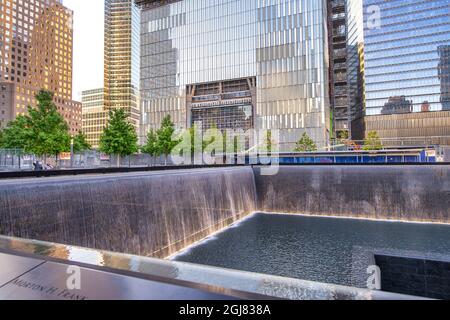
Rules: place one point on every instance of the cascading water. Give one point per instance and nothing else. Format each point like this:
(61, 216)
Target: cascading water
(157, 214)
(152, 214)
(406, 193)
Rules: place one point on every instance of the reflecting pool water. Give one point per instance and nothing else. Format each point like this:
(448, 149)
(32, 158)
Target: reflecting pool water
(330, 250)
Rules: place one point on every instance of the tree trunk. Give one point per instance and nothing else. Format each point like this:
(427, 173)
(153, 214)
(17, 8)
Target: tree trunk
(118, 161)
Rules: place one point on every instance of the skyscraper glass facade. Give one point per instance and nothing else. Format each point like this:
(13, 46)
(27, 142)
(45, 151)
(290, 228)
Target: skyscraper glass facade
(355, 62)
(122, 57)
(407, 56)
(280, 43)
(95, 117)
(346, 33)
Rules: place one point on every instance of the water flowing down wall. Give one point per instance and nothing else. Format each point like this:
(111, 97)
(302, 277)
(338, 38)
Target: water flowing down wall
(411, 193)
(150, 214)
(157, 214)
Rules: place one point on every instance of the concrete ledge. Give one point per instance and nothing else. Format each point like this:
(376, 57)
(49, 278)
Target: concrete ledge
(110, 170)
(105, 170)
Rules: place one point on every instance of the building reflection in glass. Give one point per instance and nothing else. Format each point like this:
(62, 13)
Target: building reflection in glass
(396, 105)
(407, 56)
(425, 106)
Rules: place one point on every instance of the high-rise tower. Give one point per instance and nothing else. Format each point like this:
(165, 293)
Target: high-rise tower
(121, 79)
(237, 64)
(345, 29)
(406, 63)
(36, 41)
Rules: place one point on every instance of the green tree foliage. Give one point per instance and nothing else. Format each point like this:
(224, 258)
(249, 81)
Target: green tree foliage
(230, 143)
(151, 146)
(80, 143)
(372, 142)
(196, 140)
(47, 131)
(166, 142)
(305, 144)
(269, 144)
(119, 137)
(15, 135)
(343, 135)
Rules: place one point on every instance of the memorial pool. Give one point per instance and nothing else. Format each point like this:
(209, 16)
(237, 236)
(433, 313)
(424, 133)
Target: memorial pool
(323, 249)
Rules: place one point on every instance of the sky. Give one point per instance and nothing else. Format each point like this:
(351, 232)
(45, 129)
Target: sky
(88, 45)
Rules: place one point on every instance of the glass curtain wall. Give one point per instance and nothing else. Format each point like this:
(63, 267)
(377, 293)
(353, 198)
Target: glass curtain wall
(407, 56)
(283, 43)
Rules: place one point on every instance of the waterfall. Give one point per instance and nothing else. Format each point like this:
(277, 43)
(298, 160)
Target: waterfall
(159, 213)
(149, 214)
(406, 193)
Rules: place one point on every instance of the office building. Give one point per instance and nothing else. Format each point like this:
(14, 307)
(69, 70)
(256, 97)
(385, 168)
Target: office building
(339, 99)
(36, 41)
(121, 78)
(7, 103)
(95, 117)
(237, 64)
(346, 46)
(406, 56)
(406, 68)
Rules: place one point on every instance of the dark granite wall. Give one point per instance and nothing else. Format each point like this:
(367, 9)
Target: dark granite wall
(415, 276)
(152, 214)
(158, 213)
(420, 193)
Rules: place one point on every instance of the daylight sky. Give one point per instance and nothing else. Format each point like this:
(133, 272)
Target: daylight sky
(88, 45)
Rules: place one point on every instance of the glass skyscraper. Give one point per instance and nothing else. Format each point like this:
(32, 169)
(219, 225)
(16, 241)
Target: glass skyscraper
(407, 56)
(121, 77)
(346, 64)
(238, 64)
(95, 117)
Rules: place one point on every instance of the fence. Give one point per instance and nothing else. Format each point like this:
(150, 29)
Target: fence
(15, 159)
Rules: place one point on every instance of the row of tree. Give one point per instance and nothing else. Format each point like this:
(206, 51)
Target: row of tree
(42, 131)
(372, 142)
(161, 141)
(119, 137)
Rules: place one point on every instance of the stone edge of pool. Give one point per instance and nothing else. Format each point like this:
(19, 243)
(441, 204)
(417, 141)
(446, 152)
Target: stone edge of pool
(267, 285)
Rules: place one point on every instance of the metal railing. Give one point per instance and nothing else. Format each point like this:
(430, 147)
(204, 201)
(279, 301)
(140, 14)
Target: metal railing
(15, 159)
